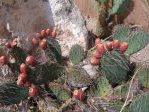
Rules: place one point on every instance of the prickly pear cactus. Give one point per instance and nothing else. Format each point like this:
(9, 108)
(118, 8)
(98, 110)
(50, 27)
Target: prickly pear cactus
(76, 54)
(136, 40)
(119, 7)
(55, 48)
(115, 66)
(120, 92)
(10, 93)
(140, 104)
(120, 32)
(60, 91)
(15, 53)
(45, 73)
(102, 87)
(77, 77)
(143, 77)
(117, 105)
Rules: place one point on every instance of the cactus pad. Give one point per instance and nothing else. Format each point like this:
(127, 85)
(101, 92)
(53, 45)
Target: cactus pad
(45, 73)
(140, 104)
(77, 77)
(115, 66)
(76, 54)
(10, 93)
(143, 77)
(136, 40)
(60, 92)
(102, 87)
(119, 7)
(54, 46)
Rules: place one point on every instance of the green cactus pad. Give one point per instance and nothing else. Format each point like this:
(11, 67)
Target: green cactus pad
(77, 77)
(136, 40)
(54, 46)
(60, 92)
(117, 105)
(76, 54)
(10, 93)
(46, 73)
(143, 77)
(120, 32)
(140, 104)
(120, 92)
(115, 66)
(15, 53)
(119, 6)
(102, 87)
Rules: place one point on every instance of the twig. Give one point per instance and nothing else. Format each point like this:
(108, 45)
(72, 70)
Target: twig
(125, 103)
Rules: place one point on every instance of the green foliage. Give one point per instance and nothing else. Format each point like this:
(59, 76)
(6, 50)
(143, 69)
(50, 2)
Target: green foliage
(136, 40)
(143, 77)
(117, 105)
(60, 92)
(115, 66)
(140, 104)
(102, 87)
(46, 73)
(121, 32)
(77, 77)
(119, 7)
(55, 48)
(120, 92)
(76, 54)
(18, 54)
(10, 93)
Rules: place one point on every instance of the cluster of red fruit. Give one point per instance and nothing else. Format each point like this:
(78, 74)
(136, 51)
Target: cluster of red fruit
(12, 44)
(79, 94)
(23, 76)
(40, 40)
(3, 59)
(103, 47)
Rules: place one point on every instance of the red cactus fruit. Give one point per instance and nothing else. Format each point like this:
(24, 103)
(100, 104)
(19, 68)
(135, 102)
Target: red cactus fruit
(48, 31)
(43, 43)
(115, 44)
(43, 33)
(97, 41)
(3, 60)
(95, 61)
(27, 84)
(23, 68)
(79, 94)
(30, 60)
(123, 47)
(8, 45)
(34, 91)
(100, 48)
(97, 54)
(35, 41)
(20, 83)
(109, 46)
(23, 77)
(39, 36)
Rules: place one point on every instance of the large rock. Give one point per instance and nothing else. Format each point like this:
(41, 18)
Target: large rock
(68, 19)
(26, 17)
